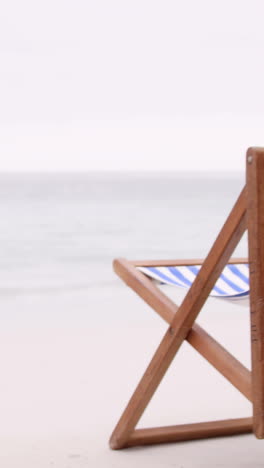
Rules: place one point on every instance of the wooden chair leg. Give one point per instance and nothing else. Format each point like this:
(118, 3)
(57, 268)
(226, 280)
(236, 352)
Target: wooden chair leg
(235, 372)
(161, 435)
(255, 190)
(182, 321)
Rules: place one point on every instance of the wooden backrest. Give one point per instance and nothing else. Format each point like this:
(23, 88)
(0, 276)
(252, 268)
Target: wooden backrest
(255, 222)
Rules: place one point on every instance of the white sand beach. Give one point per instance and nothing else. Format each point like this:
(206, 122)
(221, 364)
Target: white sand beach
(74, 340)
(70, 361)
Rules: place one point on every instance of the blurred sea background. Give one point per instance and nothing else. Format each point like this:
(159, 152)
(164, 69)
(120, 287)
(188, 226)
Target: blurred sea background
(74, 341)
(61, 231)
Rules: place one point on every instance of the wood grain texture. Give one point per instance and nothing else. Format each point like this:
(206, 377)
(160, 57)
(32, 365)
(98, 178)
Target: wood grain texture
(181, 262)
(182, 321)
(255, 208)
(145, 288)
(235, 372)
(167, 434)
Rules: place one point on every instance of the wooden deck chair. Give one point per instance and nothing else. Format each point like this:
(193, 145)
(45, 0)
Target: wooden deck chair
(248, 213)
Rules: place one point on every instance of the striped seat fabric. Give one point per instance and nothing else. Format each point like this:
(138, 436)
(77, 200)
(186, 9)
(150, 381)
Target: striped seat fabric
(233, 282)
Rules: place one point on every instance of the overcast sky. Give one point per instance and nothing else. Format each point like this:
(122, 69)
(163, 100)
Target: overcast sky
(130, 85)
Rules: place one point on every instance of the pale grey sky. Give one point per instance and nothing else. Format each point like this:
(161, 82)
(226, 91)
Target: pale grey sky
(130, 85)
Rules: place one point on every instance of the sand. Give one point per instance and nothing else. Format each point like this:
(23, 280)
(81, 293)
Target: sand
(70, 361)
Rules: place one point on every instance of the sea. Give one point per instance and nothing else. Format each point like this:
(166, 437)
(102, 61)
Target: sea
(61, 231)
(74, 340)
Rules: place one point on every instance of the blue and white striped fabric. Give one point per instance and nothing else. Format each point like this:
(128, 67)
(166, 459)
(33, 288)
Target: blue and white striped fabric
(233, 282)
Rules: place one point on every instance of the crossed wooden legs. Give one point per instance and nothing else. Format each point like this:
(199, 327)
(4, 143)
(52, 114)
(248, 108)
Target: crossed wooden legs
(181, 326)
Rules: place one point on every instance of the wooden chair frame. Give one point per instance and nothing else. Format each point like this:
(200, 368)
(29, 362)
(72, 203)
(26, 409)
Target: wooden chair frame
(248, 213)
